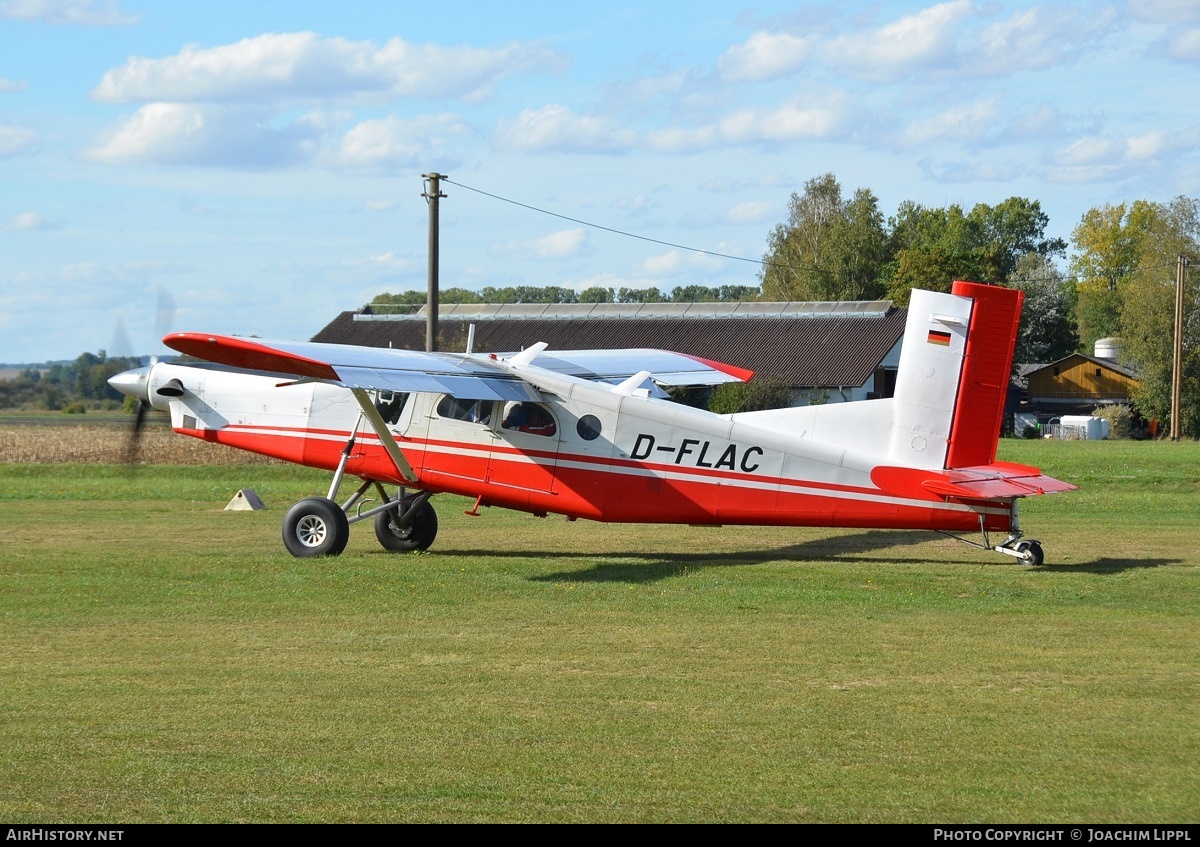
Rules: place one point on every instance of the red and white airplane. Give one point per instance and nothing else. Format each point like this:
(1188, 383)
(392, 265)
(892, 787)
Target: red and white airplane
(587, 433)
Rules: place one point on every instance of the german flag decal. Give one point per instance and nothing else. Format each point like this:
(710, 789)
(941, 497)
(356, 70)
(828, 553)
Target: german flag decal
(942, 339)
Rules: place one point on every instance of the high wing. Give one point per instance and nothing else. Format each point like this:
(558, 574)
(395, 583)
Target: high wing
(475, 376)
(665, 367)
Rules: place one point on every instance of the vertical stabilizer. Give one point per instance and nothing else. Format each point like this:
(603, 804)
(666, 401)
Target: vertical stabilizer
(927, 380)
(953, 376)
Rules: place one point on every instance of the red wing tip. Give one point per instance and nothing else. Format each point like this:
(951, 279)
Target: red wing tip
(740, 374)
(247, 353)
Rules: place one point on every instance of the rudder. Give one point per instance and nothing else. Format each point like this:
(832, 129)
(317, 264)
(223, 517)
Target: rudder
(987, 366)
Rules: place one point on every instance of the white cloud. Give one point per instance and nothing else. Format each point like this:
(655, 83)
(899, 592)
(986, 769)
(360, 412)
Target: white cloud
(84, 12)
(393, 142)
(675, 262)
(1185, 45)
(922, 40)
(14, 140)
(764, 56)
(723, 184)
(392, 261)
(989, 170)
(638, 203)
(664, 264)
(653, 87)
(1035, 38)
(751, 211)
(174, 133)
(304, 66)
(381, 205)
(967, 122)
(1043, 122)
(557, 128)
(1165, 11)
(1097, 158)
(684, 139)
(790, 122)
(9, 85)
(557, 245)
(27, 221)
(80, 271)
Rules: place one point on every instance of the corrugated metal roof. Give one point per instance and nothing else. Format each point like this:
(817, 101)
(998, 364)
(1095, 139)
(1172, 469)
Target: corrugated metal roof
(798, 351)
(705, 311)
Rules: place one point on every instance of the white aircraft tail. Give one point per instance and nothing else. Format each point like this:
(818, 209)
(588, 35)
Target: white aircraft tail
(950, 387)
(953, 376)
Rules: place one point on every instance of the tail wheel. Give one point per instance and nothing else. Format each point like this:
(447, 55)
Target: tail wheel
(315, 526)
(418, 535)
(1031, 553)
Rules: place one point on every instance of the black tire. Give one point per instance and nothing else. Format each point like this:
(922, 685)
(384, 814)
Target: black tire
(1031, 553)
(418, 535)
(315, 526)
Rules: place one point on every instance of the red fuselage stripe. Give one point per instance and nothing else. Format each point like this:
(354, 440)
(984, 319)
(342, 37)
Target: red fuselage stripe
(619, 490)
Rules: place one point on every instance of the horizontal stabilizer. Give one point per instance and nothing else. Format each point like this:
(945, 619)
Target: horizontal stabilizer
(997, 481)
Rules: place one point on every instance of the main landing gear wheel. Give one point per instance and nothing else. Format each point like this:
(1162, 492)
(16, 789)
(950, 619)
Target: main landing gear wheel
(1031, 553)
(315, 526)
(418, 535)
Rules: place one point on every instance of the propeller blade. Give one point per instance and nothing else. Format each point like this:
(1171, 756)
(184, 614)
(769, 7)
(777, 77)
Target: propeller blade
(133, 445)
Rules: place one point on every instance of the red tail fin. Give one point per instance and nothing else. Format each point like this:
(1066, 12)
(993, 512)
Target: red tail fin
(983, 383)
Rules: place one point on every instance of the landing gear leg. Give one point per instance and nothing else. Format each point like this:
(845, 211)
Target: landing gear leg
(1029, 552)
(318, 526)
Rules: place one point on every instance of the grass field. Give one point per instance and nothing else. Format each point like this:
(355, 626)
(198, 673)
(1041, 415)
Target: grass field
(163, 660)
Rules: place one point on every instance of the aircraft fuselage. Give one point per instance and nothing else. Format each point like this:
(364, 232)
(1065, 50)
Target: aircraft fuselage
(584, 451)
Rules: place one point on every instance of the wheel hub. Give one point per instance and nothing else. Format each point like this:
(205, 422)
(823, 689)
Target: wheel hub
(311, 531)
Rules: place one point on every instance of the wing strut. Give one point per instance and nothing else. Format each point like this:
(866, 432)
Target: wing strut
(385, 435)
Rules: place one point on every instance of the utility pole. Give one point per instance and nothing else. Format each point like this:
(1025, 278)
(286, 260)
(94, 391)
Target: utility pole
(1177, 364)
(432, 194)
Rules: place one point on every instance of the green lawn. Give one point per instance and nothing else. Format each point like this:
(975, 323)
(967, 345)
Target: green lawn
(163, 660)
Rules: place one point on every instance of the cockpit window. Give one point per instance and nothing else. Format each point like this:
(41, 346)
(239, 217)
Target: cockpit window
(475, 411)
(529, 417)
(390, 404)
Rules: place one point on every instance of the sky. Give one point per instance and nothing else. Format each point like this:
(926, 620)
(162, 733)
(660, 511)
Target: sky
(259, 165)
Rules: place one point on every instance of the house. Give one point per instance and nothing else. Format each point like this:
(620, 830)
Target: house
(1079, 379)
(826, 351)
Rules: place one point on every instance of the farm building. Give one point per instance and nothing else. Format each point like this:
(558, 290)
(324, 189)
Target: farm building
(1080, 379)
(827, 352)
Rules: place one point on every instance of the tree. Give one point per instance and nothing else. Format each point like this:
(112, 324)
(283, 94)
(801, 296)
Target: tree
(1108, 248)
(1163, 232)
(694, 294)
(934, 247)
(732, 397)
(858, 250)
(1047, 331)
(944, 243)
(640, 295)
(596, 294)
(829, 249)
(738, 293)
(931, 268)
(1008, 232)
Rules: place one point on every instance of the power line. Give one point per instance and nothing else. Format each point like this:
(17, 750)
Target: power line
(761, 262)
(624, 233)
